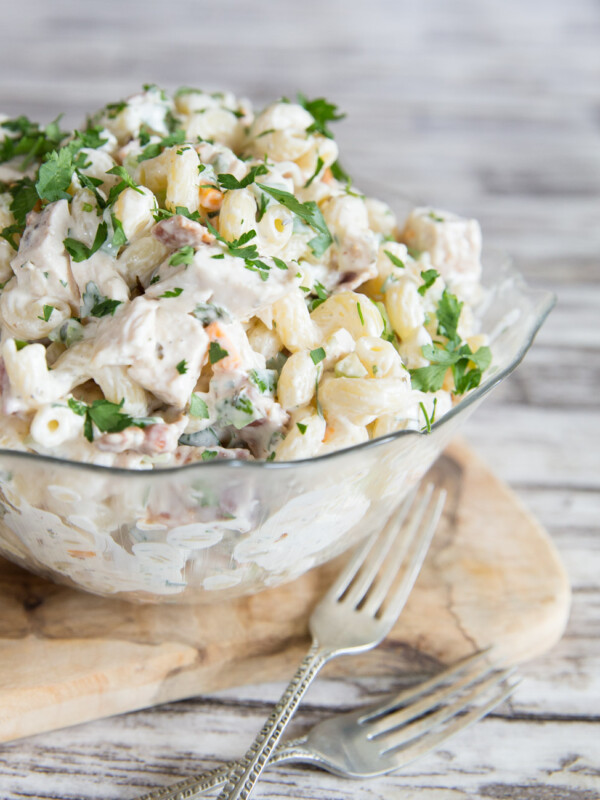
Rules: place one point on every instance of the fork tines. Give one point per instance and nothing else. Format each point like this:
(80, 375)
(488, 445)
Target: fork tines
(416, 725)
(395, 556)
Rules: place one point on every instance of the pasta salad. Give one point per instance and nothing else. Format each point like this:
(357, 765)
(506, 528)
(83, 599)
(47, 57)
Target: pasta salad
(184, 280)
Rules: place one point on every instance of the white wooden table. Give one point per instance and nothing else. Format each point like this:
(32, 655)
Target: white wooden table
(491, 110)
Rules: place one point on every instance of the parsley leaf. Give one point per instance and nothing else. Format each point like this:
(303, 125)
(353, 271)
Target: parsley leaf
(209, 312)
(323, 112)
(428, 420)
(47, 313)
(448, 313)
(81, 252)
(231, 182)
(125, 182)
(24, 198)
(309, 212)
(68, 332)
(428, 379)
(183, 256)
(262, 207)
(216, 352)
(55, 175)
(153, 150)
(181, 367)
(340, 174)
(318, 169)
(388, 332)
(394, 259)
(95, 304)
(172, 292)
(92, 184)
(198, 407)
(119, 237)
(317, 355)
(360, 314)
(264, 379)
(301, 427)
(9, 234)
(429, 278)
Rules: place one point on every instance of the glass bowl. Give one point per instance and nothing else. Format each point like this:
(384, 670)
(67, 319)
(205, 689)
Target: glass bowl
(207, 532)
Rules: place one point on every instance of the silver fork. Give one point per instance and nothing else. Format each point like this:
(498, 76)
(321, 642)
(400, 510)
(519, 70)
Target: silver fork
(357, 612)
(384, 737)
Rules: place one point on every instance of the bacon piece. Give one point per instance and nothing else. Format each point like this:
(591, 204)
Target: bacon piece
(179, 231)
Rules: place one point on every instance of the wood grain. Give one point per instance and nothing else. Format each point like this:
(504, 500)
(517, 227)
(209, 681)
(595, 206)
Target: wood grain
(492, 577)
(490, 109)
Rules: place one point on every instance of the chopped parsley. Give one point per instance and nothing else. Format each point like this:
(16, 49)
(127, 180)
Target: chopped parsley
(119, 237)
(394, 259)
(106, 416)
(467, 366)
(56, 173)
(317, 355)
(24, 199)
(153, 150)
(209, 312)
(428, 420)
(125, 182)
(360, 314)
(172, 292)
(216, 352)
(308, 212)
(262, 207)
(182, 367)
(264, 379)
(183, 256)
(209, 455)
(29, 140)
(47, 313)
(95, 304)
(322, 295)
(435, 217)
(70, 331)
(231, 182)
(198, 407)
(388, 332)
(301, 427)
(429, 278)
(340, 174)
(448, 314)
(318, 169)
(81, 252)
(323, 112)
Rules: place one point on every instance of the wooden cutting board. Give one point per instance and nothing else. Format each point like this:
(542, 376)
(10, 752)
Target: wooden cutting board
(492, 577)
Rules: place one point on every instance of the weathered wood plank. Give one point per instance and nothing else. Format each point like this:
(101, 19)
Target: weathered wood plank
(489, 109)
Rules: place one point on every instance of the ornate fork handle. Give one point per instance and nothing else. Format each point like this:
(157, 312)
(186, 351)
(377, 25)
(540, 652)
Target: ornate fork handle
(247, 771)
(189, 788)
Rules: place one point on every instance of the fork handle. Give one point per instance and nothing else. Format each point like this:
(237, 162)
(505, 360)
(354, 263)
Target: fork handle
(246, 772)
(197, 785)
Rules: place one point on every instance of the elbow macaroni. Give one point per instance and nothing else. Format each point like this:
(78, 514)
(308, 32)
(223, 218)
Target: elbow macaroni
(208, 286)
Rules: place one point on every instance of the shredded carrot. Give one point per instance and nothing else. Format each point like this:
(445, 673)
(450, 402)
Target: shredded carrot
(232, 360)
(210, 198)
(329, 432)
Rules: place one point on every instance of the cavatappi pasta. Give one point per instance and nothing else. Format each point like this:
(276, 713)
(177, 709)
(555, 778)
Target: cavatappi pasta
(185, 280)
